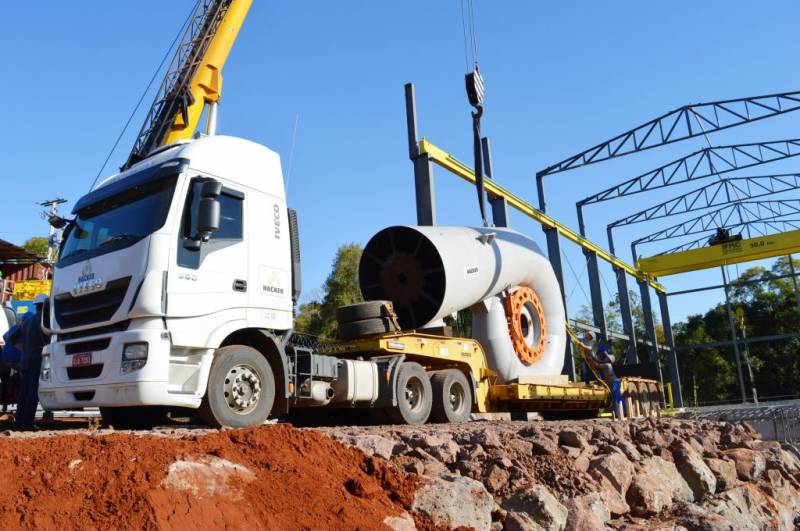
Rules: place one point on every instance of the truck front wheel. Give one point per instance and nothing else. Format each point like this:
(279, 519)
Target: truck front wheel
(414, 395)
(241, 388)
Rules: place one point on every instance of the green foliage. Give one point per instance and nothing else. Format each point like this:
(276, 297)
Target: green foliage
(318, 317)
(770, 308)
(37, 245)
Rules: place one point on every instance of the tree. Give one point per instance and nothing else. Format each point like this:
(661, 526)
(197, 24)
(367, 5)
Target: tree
(769, 308)
(37, 245)
(318, 316)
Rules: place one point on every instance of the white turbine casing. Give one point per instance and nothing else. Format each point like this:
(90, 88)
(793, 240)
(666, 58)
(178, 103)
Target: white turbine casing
(411, 265)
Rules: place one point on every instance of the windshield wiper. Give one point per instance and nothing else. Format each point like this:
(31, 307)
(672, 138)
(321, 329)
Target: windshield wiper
(118, 238)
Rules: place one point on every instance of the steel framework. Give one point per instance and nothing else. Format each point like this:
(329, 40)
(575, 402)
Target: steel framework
(722, 192)
(682, 123)
(668, 128)
(730, 216)
(706, 162)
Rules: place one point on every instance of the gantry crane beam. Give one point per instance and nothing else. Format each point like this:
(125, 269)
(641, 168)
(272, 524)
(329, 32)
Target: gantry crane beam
(733, 252)
(752, 229)
(722, 192)
(727, 216)
(682, 123)
(194, 77)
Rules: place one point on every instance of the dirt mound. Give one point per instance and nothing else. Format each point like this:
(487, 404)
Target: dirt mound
(274, 477)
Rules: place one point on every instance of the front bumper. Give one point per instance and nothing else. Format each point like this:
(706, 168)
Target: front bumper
(169, 378)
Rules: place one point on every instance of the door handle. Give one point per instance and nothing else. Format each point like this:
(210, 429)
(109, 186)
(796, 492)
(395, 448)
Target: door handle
(240, 285)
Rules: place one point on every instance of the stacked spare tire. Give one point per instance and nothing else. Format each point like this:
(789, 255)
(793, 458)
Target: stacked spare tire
(365, 319)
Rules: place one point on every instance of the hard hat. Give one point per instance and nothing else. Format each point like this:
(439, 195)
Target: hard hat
(40, 299)
(588, 335)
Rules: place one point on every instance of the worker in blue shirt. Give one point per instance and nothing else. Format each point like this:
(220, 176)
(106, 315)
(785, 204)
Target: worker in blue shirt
(33, 341)
(603, 363)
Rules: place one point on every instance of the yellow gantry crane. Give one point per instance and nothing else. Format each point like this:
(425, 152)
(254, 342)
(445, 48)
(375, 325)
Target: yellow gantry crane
(726, 253)
(194, 79)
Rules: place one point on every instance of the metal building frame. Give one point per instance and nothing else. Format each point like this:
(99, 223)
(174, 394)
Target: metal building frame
(671, 127)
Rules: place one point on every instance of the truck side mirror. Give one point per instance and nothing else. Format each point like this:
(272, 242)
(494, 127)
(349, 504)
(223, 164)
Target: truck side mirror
(208, 214)
(207, 217)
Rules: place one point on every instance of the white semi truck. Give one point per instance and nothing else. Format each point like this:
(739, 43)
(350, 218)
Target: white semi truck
(177, 280)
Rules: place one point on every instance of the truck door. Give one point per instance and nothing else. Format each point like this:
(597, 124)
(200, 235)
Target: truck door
(212, 279)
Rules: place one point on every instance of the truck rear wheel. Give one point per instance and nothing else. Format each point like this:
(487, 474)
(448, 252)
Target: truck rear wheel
(452, 396)
(414, 395)
(241, 388)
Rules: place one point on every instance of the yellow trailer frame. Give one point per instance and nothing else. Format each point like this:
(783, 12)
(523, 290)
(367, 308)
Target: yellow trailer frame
(436, 352)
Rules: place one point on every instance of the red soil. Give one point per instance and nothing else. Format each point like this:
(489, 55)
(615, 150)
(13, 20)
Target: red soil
(303, 480)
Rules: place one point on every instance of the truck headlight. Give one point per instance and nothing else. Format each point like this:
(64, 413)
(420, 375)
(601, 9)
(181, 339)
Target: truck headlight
(44, 375)
(134, 357)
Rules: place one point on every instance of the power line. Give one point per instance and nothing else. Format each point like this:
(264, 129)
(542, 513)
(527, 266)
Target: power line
(141, 98)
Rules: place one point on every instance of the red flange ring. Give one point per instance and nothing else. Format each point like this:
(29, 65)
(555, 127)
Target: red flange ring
(526, 324)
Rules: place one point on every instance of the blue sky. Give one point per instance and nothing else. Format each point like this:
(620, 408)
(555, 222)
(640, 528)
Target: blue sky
(560, 77)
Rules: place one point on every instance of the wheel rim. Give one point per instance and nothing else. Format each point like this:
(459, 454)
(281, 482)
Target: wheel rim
(242, 389)
(414, 394)
(456, 397)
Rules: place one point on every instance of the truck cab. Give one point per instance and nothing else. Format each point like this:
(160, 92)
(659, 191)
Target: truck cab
(185, 252)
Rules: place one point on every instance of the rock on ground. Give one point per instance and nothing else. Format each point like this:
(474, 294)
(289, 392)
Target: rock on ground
(645, 474)
(454, 501)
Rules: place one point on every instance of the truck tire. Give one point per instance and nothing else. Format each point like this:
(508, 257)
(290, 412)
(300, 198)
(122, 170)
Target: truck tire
(414, 395)
(452, 396)
(367, 327)
(133, 418)
(360, 311)
(241, 388)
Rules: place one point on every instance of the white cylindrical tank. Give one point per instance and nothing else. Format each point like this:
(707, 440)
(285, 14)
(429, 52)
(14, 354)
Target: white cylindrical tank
(431, 272)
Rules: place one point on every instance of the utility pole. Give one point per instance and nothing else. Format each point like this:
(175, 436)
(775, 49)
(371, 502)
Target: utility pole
(740, 316)
(735, 339)
(54, 234)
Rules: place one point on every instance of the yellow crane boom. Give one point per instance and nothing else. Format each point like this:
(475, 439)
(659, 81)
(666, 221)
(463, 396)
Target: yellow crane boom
(194, 78)
(206, 84)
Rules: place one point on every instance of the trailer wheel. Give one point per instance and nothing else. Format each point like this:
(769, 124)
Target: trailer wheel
(241, 388)
(367, 327)
(452, 396)
(361, 311)
(414, 395)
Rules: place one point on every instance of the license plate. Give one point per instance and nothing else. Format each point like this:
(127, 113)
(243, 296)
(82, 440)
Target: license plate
(80, 360)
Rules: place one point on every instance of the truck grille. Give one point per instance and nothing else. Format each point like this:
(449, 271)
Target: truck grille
(82, 373)
(87, 346)
(96, 307)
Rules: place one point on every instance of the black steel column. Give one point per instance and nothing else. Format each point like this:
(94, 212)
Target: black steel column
(649, 323)
(595, 291)
(672, 356)
(554, 254)
(624, 306)
(498, 204)
(423, 167)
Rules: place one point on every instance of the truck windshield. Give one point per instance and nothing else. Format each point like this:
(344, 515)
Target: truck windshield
(118, 221)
